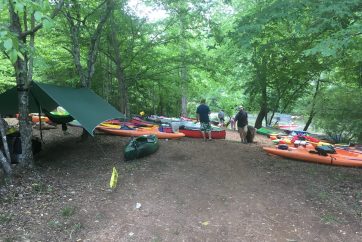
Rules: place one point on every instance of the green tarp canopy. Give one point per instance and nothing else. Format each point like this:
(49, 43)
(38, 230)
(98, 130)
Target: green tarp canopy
(81, 103)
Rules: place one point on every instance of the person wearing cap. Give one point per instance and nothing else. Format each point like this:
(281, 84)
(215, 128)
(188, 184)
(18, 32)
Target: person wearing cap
(242, 122)
(202, 115)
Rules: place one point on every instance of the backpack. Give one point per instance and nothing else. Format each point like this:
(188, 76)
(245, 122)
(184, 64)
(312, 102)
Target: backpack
(325, 150)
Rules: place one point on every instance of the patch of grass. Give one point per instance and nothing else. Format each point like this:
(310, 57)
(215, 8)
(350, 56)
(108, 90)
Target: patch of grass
(358, 195)
(312, 170)
(132, 166)
(40, 187)
(11, 239)
(9, 198)
(67, 211)
(323, 195)
(357, 204)
(329, 219)
(76, 227)
(54, 224)
(5, 218)
(99, 216)
(338, 177)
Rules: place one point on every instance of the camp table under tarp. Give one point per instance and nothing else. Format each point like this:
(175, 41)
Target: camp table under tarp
(81, 103)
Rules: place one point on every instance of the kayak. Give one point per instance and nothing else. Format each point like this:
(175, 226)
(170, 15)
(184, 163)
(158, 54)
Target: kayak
(340, 158)
(268, 131)
(140, 132)
(139, 122)
(141, 146)
(75, 123)
(59, 117)
(215, 134)
(287, 126)
(36, 119)
(196, 133)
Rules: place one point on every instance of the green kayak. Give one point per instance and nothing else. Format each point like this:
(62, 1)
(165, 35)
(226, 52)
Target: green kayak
(57, 117)
(268, 131)
(141, 146)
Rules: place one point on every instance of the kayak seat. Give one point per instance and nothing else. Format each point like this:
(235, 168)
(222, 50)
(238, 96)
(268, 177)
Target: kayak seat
(283, 147)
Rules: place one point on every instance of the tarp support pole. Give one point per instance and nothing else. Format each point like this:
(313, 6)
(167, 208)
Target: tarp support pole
(39, 113)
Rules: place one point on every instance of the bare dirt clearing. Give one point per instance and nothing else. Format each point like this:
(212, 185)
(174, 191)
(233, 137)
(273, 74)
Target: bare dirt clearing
(188, 191)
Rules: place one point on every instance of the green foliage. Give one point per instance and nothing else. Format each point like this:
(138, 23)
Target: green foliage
(340, 113)
(287, 45)
(67, 211)
(5, 218)
(10, 42)
(265, 55)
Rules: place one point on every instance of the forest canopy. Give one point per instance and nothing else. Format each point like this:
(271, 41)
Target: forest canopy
(301, 57)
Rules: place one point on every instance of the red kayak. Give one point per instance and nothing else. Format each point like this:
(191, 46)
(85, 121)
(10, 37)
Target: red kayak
(194, 133)
(139, 122)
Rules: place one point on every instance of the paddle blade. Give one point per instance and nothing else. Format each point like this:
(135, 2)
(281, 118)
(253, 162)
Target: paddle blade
(114, 178)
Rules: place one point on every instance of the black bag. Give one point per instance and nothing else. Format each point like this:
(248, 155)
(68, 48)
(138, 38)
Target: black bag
(250, 135)
(14, 144)
(325, 150)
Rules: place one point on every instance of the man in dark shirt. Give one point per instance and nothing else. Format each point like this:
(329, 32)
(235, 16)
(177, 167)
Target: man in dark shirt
(202, 114)
(242, 120)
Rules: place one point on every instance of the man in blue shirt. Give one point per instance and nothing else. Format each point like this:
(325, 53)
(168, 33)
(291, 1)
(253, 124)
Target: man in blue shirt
(202, 114)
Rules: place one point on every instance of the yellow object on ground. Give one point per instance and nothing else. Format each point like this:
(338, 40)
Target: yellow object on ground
(114, 178)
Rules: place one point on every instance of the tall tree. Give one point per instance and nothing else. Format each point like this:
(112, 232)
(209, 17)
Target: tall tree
(77, 22)
(18, 42)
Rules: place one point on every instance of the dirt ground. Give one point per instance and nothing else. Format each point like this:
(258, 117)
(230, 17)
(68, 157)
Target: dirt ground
(189, 190)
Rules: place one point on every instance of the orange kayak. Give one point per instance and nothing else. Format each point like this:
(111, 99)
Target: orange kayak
(341, 158)
(35, 119)
(140, 132)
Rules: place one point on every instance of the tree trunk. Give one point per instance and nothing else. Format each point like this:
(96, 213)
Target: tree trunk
(31, 45)
(312, 111)
(85, 76)
(26, 157)
(74, 34)
(359, 138)
(263, 106)
(310, 118)
(3, 129)
(183, 67)
(20, 66)
(260, 64)
(6, 167)
(5, 160)
(122, 84)
(259, 119)
(271, 118)
(74, 31)
(94, 43)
